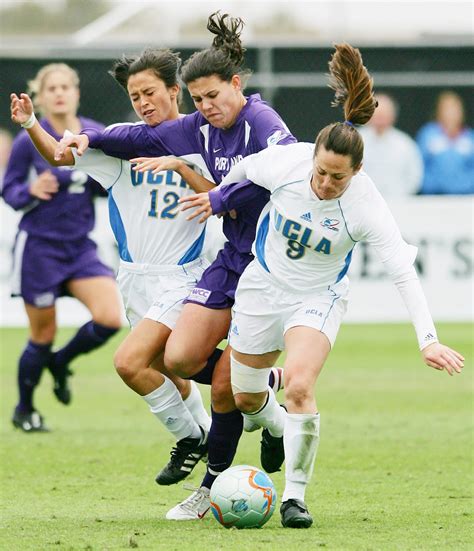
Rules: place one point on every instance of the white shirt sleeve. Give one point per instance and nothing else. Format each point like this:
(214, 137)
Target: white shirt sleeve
(256, 167)
(413, 296)
(104, 169)
(378, 227)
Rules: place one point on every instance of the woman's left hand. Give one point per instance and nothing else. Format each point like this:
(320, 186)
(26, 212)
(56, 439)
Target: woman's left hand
(156, 164)
(441, 357)
(201, 202)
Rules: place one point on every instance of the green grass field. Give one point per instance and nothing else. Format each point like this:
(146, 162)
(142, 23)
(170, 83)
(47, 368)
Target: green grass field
(394, 468)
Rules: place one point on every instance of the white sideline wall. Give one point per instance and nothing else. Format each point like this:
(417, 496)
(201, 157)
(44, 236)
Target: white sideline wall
(440, 226)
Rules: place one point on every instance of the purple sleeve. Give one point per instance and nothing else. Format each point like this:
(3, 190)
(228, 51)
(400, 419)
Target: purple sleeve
(227, 197)
(16, 190)
(127, 141)
(124, 141)
(271, 130)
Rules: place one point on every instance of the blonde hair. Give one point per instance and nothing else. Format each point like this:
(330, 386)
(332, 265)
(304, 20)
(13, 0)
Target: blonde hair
(36, 85)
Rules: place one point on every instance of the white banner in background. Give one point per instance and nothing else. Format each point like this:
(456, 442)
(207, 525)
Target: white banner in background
(441, 228)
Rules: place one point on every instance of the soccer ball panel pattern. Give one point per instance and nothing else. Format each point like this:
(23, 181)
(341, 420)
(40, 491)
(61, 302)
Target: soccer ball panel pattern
(243, 497)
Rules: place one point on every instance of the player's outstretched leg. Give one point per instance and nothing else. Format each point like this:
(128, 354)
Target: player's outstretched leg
(224, 435)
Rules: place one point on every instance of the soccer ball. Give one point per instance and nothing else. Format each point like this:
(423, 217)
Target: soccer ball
(243, 496)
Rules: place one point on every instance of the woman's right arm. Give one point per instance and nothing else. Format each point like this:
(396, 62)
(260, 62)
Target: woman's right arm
(22, 111)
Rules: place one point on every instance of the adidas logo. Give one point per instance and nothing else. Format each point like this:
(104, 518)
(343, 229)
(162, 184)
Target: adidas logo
(307, 217)
(235, 330)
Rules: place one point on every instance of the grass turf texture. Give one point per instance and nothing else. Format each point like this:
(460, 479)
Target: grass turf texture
(394, 468)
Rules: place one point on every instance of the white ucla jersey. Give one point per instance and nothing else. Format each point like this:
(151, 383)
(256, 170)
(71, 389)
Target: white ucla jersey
(305, 242)
(144, 212)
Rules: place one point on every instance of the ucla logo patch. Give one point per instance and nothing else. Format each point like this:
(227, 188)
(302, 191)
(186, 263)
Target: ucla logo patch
(330, 224)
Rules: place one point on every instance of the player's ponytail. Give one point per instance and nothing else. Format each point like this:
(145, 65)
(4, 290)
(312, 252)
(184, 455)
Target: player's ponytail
(226, 55)
(353, 87)
(227, 30)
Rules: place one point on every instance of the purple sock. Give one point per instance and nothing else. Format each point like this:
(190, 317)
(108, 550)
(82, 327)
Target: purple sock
(223, 438)
(89, 337)
(205, 375)
(30, 367)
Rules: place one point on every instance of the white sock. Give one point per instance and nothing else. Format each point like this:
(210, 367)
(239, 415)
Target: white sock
(271, 416)
(301, 439)
(194, 403)
(167, 405)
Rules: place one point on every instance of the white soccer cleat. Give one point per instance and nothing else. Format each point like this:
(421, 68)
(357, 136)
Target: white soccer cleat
(192, 508)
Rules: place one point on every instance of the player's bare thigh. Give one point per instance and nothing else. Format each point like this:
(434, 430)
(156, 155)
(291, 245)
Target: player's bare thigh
(100, 296)
(197, 333)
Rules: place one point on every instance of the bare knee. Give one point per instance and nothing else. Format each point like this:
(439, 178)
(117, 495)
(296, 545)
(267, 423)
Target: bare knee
(248, 403)
(298, 393)
(181, 364)
(222, 397)
(126, 364)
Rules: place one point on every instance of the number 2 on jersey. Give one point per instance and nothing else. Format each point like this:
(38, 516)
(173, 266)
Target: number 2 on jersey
(171, 200)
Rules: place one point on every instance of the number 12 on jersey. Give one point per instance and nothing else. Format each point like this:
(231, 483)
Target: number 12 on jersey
(170, 198)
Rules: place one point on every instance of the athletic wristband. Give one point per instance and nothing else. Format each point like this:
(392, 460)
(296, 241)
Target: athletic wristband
(30, 122)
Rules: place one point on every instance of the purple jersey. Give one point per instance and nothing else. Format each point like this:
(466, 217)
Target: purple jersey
(257, 127)
(69, 215)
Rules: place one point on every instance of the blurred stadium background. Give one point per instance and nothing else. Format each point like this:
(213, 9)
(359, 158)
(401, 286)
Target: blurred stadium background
(413, 49)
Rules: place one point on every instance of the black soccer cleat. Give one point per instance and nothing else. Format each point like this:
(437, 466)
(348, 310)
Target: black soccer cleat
(61, 387)
(272, 452)
(184, 457)
(294, 514)
(30, 421)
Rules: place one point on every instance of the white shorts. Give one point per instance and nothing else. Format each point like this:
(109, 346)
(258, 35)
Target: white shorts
(263, 312)
(157, 292)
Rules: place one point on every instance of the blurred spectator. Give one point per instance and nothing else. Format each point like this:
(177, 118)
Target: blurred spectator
(6, 140)
(391, 157)
(447, 146)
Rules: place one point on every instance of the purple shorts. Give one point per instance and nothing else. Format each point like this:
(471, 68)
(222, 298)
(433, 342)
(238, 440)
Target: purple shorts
(42, 267)
(216, 288)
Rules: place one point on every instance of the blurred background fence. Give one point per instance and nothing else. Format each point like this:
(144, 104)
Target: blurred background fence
(292, 79)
